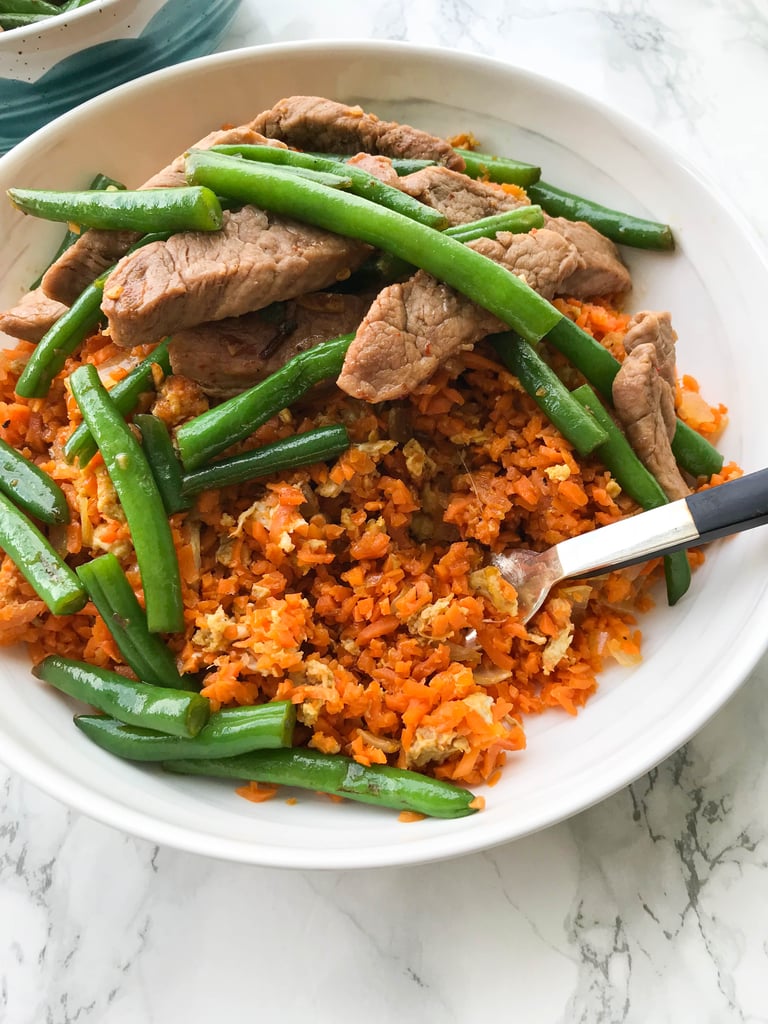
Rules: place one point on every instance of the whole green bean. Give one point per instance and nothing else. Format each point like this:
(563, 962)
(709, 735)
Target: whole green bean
(31, 488)
(42, 567)
(152, 209)
(115, 601)
(175, 712)
(618, 456)
(162, 461)
(474, 275)
(137, 491)
(340, 776)
(620, 227)
(549, 393)
(60, 341)
(125, 394)
(227, 733)
(100, 182)
(306, 449)
(362, 183)
(199, 439)
(500, 169)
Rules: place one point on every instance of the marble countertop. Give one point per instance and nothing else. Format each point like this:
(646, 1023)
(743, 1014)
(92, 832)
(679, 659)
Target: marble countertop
(649, 907)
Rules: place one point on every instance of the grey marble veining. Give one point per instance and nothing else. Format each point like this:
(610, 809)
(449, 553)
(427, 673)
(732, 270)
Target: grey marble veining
(647, 908)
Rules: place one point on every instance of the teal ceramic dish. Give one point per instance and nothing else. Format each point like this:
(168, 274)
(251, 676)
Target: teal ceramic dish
(50, 67)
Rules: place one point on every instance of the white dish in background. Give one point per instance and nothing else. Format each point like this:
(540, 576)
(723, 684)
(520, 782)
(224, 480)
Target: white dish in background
(696, 654)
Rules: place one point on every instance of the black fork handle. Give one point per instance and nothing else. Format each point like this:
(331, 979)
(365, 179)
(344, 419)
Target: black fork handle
(737, 505)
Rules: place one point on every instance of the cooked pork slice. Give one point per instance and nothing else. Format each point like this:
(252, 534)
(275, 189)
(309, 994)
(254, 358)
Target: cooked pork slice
(95, 251)
(413, 327)
(32, 316)
(657, 329)
(379, 166)
(459, 198)
(257, 258)
(227, 356)
(645, 405)
(315, 123)
(602, 271)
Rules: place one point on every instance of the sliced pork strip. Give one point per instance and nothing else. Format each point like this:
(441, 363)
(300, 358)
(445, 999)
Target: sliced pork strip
(645, 405)
(379, 166)
(656, 328)
(227, 356)
(413, 327)
(457, 197)
(32, 316)
(195, 276)
(602, 271)
(315, 123)
(96, 251)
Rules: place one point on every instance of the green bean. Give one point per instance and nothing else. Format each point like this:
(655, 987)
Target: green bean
(227, 733)
(694, 453)
(42, 567)
(60, 341)
(116, 603)
(499, 168)
(625, 467)
(8, 22)
(487, 283)
(199, 439)
(162, 461)
(175, 712)
(518, 221)
(27, 7)
(299, 450)
(340, 776)
(132, 478)
(73, 327)
(100, 182)
(362, 182)
(620, 227)
(31, 488)
(549, 393)
(125, 394)
(150, 209)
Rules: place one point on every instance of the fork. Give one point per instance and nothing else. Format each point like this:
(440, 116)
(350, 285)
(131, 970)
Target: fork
(719, 511)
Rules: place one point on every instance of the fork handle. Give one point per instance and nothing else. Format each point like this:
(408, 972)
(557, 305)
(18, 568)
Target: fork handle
(729, 508)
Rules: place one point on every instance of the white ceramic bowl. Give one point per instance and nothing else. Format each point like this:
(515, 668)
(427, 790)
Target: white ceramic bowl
(51, 66)
(696, 654)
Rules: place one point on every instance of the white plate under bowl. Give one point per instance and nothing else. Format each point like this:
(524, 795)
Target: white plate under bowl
(696, 654)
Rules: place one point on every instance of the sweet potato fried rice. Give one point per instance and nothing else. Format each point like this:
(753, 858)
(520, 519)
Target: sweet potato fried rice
(350, 587)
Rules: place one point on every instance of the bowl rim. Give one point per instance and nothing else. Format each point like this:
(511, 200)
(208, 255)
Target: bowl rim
(745, 655)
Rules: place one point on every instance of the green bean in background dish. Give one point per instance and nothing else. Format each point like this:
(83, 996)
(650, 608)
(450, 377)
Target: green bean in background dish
(175, 712)
(8, 22)
(28, 7)
(150, 209)
(362, 183)
(115, 601)
(338, 775)
(227, 733)
(318, 445)
(40, 564)
(30, 487)
(204, 436)
(125, 394)
(137, 492)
